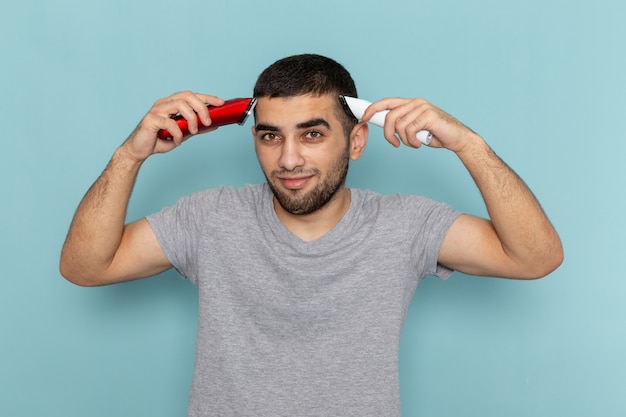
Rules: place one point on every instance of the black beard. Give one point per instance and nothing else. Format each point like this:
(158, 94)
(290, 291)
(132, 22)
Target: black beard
(320, 195)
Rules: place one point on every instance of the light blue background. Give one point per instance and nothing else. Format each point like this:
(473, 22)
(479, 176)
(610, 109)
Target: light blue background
(543, 81)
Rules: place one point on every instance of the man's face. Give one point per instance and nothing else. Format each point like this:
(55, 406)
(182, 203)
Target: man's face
(302, 149)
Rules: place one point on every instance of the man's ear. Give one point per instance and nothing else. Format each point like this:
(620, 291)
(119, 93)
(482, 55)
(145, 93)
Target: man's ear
(253, 129)
(358, 140)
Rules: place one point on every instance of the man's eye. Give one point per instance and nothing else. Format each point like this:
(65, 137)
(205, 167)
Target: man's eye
(313, 135)
(269, 137)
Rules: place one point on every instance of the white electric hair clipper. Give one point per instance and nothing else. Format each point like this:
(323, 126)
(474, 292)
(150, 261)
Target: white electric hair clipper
(357, 107)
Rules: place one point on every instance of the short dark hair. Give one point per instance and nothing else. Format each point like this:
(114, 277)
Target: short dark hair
(308, 74)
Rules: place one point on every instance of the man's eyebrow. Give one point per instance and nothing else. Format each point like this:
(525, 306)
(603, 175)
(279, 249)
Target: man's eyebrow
(267, 128)
(303, 125)
(313, 122)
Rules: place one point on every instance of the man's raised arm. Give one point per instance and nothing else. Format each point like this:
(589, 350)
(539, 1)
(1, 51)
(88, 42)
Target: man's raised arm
(518, 240)
(100, 248)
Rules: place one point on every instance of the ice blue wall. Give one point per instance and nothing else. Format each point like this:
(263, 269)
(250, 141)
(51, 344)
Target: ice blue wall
(542, 81)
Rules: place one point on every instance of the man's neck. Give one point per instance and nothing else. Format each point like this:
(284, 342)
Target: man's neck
(310, 227)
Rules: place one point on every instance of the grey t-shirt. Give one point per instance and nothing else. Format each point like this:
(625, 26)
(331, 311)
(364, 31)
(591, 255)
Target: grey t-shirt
(294, 328)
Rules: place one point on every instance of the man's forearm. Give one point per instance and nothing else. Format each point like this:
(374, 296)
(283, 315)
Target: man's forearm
(98, 224)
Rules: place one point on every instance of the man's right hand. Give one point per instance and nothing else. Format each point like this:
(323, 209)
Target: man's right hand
(144, 142)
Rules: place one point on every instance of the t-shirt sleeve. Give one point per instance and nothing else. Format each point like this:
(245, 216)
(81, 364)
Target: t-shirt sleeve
(176, 228)
(439, 221)
(430, 222)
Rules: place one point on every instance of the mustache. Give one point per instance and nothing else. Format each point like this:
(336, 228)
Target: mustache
(296, 172)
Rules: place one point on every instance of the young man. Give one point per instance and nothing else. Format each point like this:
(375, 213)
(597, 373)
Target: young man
(303, 283)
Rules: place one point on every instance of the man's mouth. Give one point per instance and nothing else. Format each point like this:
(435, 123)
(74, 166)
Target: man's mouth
(294, 183)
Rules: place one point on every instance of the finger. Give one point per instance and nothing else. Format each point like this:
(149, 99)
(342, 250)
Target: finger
(174, 130)
(190, 105)
(416, 123)
(186, 118)
(389, 131)
(369, 112)
(199, 102)
(397, 121)
(409, 124)
(380, 105)
(211, 100)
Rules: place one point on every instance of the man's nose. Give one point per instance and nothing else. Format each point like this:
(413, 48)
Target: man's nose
(291, 155)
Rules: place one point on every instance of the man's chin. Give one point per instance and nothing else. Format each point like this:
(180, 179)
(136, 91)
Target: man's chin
(294, 206)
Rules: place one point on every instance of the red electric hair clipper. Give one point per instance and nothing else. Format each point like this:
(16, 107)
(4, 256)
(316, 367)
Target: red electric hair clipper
(232, 111)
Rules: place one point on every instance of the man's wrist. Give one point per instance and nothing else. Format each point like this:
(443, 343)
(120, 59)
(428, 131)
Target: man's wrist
(126, 158)
(474, 145)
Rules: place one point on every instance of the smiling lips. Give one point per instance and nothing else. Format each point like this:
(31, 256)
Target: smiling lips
(294, 183)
